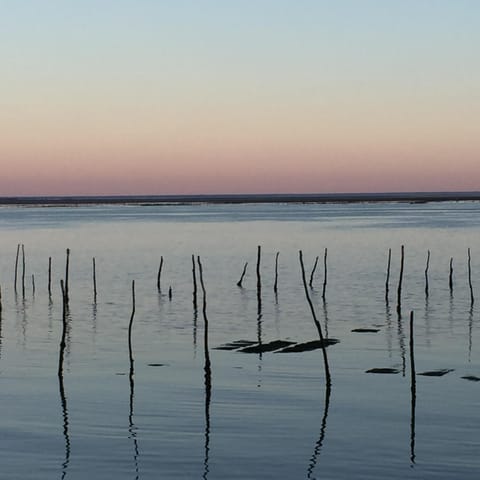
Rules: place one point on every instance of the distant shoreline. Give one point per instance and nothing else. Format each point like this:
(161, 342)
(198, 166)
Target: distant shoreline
(409, 197)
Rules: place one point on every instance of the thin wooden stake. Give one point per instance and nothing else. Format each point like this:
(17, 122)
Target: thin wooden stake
(170, 294)
(259, 280)
(16, 268)
(310, 283)
(324, 289)
(49, 276)
(64, 331)
(275, 285)
(399, 290)
(194, 276)
(67, 271)
(239, 283)
(450, 276)
(204, 312)
(159, 274)
(33, 284)
(23, 271)
(94, 274)
(387, 281)
(1, 307)
(317, 323)
(130, 325)
(426, 273)
(472, 299)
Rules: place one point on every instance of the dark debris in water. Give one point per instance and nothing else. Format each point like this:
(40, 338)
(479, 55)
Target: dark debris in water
(309, 346)
(471, 378)
(366, 330)
(383, 370)
(235, 345)
(157, 364)
(437, 373)
(266, 347)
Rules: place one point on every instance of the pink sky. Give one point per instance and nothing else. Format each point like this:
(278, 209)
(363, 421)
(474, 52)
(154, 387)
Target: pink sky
(157, 99)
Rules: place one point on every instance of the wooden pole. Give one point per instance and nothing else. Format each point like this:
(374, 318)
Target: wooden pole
(33, 284)
(426, 273)
(387, 281)
(170, 293)
(259, 280)
(207, 374)
(64, 331)
(67, 271)
(49, 276)
(324, 289)
(275, 284)
(23, 271)
(194, 276)
(159, 274)
(399, 290)
(312, 273)
(94, 274)
(130, 326)
(450, 276)
(239, 283)
(472, 299)
(1, 307)
(317, 323)
(16, 268)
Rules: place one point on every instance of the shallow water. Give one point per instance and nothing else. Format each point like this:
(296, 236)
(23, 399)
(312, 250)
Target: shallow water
(266, 415)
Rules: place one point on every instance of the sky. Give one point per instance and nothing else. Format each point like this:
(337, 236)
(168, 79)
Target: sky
(243, 96)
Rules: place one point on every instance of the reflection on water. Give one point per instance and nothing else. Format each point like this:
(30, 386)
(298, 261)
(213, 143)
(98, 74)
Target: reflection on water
(319, 444)
(183, 434)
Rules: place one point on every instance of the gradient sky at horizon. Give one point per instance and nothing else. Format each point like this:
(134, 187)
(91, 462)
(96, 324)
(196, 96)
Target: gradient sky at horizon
(251, 96)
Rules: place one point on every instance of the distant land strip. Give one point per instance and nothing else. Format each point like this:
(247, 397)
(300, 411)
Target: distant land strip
(411, 197)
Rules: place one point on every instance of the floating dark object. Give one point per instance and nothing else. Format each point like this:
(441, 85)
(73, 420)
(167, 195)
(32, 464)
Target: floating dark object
(366, 330)
(471, 378)
(309, 346)
(437, 373)
(236, 345)
(157, 364)
(383, 370)
(266, 347)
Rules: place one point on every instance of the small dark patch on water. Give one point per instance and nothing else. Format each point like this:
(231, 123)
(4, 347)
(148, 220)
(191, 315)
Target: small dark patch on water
(235, 345)
(157, 364)
(366, 330)
(471, 378)
(266, 347)
(383, 370)
(120, 373)
(437, 373)
(309, 346)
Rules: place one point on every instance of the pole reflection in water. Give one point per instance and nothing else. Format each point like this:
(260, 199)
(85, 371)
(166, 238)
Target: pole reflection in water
(207, 376)
(318, 446)
(413, 391)
(388, 315)
(401, 342)
(470, 328)
(131, 425)
(63, 397)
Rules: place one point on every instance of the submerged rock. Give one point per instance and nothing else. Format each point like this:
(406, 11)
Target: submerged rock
(437, 373)
(309, 346)
(383, 370)
(471, 378)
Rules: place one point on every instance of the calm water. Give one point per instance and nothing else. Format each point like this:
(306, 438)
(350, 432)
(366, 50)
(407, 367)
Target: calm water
(253, 416)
